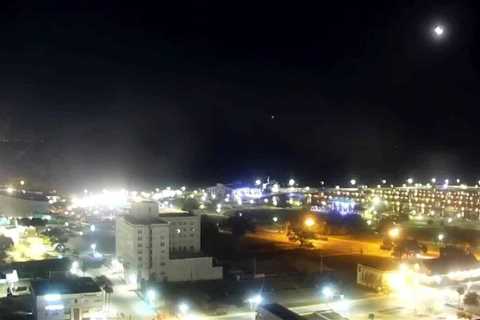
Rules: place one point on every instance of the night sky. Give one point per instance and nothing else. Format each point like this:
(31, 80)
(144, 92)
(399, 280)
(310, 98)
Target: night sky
(110, 93)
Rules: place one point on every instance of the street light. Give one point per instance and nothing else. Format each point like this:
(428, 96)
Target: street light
(183, 308)
(327, 292)
(275, 219)
(151, 295)
(441, 236)
(433, 180)
(394, 232)
(353, 182)
(410, 180)
(291, 182)
(384, 181)
(309, 222)
(255, 301)
(22, 182)
(258, 182)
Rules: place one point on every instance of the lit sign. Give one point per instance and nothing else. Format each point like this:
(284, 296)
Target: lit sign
(54, 307)
(52, 297)
(343, 206)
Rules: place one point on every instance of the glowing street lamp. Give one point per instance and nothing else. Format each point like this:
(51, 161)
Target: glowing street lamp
(258, 182)
(255, 301)
(441, 236)
(183, 308)
(151, 295)
(309, 222)
(275, 219)
(353, 182)
(327, 292)
(22, 182)
(394, 232)
(434, 180)
(384, 181)
(291, 182)
(410, 180)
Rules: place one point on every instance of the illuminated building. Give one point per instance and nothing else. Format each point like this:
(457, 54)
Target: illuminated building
(219, 190)
(73, 298)
(164, 247)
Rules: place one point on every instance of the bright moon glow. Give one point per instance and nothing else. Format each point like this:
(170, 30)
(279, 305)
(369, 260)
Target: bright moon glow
(439, 30)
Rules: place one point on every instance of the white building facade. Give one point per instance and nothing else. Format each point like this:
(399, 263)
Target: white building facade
(142, 244)
(185, 232)
(163, 247)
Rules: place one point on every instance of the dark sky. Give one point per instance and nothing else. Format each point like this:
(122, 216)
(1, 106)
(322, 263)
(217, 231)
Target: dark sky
(129, 93)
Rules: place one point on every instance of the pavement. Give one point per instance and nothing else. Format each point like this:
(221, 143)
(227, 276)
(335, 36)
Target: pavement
(382, 306)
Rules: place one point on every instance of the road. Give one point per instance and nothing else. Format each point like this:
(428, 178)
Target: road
(124, 301)
(334, 245)
(383, 307)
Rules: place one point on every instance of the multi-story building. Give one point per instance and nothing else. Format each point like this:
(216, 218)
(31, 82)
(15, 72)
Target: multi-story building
(142, 242)
(219, 191)
(184, 232)
(163, 247)
(72, 298)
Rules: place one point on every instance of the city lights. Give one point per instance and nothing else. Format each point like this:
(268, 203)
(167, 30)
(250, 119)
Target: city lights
(309, 222)
(328, 292)
(255, 300)
(151, 295)
(394, 232)
(183, 307)
(52, 297)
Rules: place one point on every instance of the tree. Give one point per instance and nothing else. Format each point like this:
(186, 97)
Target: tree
(190, 204)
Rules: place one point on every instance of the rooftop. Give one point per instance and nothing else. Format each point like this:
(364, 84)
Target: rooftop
(143, 219)
(176, 214)
(281, 312)
(64, 286)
